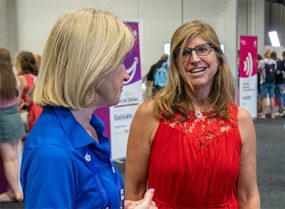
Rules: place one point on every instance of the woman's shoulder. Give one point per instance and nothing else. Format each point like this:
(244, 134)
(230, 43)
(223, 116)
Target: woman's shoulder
(27, 78)
(145, 114)
(246, 126)
(145, 123)
(22, 80)
(146, 108)
(243, 115)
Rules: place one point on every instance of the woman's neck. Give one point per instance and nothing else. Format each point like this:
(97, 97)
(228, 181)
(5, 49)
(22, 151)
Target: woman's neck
(83, 117)
(201, 106)
(200, 101)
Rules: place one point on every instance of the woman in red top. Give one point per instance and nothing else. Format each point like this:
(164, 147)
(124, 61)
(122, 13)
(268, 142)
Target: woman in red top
(27, 68)
(192, 143)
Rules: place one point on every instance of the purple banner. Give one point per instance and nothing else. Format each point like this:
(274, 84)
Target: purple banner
(132, 64)
(104, 114)
(132, 61)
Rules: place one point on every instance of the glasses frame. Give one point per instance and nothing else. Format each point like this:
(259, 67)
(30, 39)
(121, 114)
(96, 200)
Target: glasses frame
(190, 50)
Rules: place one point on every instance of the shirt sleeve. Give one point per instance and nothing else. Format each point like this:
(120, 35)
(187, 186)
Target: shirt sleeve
(48, 177)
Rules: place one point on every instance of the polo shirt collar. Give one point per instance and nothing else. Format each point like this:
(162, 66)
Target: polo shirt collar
(78, 136)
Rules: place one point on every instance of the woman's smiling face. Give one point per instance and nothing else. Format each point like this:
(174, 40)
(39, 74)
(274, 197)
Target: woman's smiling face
(200, 69)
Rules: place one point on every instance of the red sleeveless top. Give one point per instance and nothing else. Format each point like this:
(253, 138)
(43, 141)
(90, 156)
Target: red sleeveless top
(194, 164)
(34, 110)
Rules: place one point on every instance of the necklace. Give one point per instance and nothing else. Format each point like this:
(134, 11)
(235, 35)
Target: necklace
(199, 115)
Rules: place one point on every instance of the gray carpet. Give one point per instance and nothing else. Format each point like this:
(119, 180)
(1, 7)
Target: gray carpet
(270, 164)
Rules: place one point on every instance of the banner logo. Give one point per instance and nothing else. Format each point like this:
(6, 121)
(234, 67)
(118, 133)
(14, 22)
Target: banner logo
(248, 65)
(132, 70)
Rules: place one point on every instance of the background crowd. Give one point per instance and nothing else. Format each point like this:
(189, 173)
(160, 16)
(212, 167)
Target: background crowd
(21, 72)
(271, 84)
(17, 115)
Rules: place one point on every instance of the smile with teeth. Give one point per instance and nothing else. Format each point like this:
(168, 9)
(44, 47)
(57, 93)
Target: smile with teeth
(197, 70)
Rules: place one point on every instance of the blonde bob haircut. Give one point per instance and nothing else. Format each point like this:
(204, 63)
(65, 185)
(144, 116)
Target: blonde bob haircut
(175, 98)
(82, 48)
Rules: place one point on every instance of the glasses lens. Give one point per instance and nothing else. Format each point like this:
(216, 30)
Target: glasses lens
(203, 49)
(186, 54)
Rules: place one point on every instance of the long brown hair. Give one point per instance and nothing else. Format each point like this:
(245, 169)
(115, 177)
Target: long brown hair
(7, 82)
(175, 97)
(5, 57)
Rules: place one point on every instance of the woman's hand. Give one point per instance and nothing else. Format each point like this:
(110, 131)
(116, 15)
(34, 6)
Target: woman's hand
(145, 203)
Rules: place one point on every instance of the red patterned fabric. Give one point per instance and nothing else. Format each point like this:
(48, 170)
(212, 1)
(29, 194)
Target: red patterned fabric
(33, 109)
(194, 164)
(30, 81)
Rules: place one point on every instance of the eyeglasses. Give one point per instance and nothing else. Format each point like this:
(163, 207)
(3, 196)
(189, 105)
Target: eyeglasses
(201, 50)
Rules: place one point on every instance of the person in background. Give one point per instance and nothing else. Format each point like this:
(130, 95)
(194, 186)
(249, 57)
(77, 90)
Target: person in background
(282, 67)
(192, 143)
(66, 160)
(268, 86)
(280, 84)
(151, 86)
(260, 80)
(38, 61)
(27, 69)
(11, 127)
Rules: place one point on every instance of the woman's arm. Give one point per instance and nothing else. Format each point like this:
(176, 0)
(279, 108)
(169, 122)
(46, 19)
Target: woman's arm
(247, 189)
(19, 87)
(142, 131)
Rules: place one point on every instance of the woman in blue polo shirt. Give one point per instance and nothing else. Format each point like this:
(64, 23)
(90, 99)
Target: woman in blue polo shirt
(66, 161)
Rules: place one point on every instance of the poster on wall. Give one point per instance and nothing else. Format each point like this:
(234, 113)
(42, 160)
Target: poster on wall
(122, 114)
(118, 118)
(248, 74)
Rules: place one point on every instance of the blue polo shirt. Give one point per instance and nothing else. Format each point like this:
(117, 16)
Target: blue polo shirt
(63, 167)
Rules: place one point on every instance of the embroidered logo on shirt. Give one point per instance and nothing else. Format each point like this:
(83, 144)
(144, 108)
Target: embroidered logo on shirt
(87, 157)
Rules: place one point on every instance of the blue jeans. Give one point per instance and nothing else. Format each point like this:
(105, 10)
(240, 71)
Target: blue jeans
(280, 94)
(267, 88)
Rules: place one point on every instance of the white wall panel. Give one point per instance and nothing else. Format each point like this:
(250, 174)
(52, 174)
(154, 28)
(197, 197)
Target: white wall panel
(159, 19)
(276, 21)
(122, 8)
(3, 24)
(33, 35)
(37, 10)
(250, 20)
(160, 9)
(12, 26)
(154, 40)
(35, 20)
(206, 8)
(68, 5)
(221, 15)
(229, 38)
